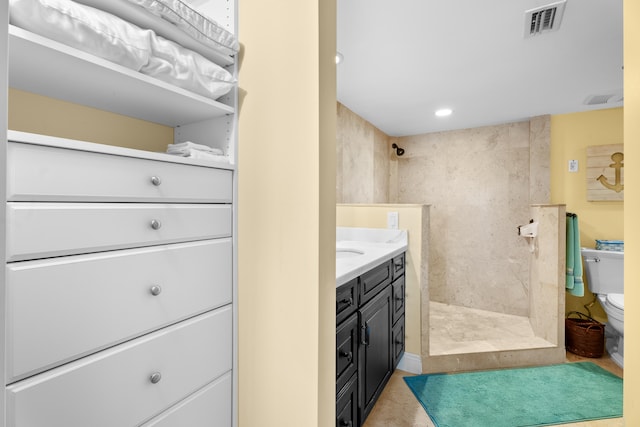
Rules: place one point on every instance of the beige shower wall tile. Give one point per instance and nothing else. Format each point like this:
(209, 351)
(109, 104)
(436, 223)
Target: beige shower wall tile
(477, 184)
(418, 178)
(393, 178)
(548, 268)
(381, 154)
(519, 134)
(339, 153)
(472, 264)
(357, 158)
(480, 184)
(540, 183)
(363, 160)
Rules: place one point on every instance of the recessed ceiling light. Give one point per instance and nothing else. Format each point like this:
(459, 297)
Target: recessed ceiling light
(444, 112)
(339, 57)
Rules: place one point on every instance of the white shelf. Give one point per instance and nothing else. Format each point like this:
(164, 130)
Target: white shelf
(49, 68)
(72, 144)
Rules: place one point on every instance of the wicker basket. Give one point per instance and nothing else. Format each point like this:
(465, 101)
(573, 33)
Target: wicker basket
(584, 335)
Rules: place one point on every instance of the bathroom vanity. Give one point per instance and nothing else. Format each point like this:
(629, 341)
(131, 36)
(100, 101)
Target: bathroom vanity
(369, 320)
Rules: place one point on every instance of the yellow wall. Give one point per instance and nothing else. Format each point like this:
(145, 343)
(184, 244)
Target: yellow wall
(571, 134)
(632, 210)
(410, 218)
(286, 213)
(33, 113)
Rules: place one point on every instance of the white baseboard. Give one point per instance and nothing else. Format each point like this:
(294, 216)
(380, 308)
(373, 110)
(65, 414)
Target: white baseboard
(411, 363)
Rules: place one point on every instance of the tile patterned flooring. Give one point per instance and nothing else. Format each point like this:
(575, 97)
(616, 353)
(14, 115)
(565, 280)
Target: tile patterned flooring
(397, 407)
(460, 330)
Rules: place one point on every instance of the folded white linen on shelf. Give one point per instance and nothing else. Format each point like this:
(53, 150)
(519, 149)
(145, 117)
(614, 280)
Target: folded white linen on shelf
(195, 154)
(183, 14)
(176, 20)
(114, 39)
(196, 151)
(188, 146)
(185, 68)
(85, 28)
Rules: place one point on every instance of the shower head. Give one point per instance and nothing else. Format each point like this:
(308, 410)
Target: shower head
(399, 151)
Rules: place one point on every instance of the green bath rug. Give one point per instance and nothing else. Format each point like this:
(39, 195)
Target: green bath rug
(538, 396)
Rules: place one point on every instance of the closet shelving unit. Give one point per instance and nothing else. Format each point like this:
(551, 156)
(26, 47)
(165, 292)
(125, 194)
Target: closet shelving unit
(117, 376)
(75, 76)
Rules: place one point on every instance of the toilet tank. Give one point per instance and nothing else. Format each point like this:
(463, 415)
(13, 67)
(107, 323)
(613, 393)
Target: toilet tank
(604, 270)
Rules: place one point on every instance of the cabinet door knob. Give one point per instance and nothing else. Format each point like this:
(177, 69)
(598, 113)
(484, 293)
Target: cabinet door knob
(155, 180)
(155, 290)
(155, 377)
(348, 301)
(348, 355)
(155, 224)
(345, 423)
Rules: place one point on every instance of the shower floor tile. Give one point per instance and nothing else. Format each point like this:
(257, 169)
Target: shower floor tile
(460, 330)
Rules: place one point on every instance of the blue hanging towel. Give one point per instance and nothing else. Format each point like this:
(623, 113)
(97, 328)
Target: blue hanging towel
(574, 283)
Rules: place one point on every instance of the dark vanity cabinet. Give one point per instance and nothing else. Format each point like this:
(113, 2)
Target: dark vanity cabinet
(369, 338)
(375, 363)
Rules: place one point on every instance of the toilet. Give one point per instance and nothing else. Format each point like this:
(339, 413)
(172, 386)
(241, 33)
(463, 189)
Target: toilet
(605, 277)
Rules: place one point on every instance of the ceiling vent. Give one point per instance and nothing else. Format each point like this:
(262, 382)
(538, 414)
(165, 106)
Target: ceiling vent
(543, 19)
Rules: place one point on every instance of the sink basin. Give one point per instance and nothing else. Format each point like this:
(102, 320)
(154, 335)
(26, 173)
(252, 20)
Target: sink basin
(348, 253)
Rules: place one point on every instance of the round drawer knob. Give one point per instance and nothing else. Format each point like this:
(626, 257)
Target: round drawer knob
(156, 180)
(155, 290)
(155, 378)
(155, 224)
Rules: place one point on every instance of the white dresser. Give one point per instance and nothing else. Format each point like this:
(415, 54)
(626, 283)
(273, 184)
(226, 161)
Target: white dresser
(119, 291)
(118, 287)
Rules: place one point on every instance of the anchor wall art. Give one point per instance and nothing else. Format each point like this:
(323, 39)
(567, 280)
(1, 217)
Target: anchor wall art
(605, 172)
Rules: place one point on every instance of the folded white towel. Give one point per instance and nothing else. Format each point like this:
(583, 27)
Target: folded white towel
(188, 146)
(196, 154)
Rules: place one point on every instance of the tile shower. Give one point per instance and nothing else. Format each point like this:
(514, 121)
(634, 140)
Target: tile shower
(480, 184)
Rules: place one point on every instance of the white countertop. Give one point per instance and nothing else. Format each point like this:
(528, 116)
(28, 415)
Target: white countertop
(358, 250)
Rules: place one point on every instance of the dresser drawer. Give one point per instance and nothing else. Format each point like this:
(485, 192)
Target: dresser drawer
(374, 281)
(42, 173)
(42, 230)
(117, 387)
(398, 340)
(208, 407)
(347, 404)
(398, 263)
(398, 299)
(346, 300)
(62, 308)
(347, 345)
